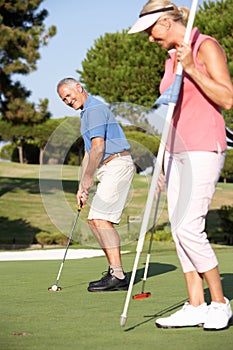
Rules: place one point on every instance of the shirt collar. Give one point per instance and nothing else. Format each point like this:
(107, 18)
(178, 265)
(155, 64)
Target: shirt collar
(86, 104)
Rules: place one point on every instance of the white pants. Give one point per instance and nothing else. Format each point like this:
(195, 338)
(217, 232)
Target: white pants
(191, 180)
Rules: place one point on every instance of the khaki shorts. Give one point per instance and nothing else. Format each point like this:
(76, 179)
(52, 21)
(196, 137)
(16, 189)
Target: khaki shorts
(115, 180)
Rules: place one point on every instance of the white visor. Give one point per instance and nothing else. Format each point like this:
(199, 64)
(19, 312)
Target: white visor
(148, 19)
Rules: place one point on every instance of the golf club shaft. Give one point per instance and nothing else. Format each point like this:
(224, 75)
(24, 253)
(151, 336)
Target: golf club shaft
(151, 242)
(68, 243)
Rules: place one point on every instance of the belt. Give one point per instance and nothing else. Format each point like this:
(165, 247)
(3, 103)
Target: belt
(120, 154)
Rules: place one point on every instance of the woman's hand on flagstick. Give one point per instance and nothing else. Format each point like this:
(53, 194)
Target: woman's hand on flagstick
(185, 56)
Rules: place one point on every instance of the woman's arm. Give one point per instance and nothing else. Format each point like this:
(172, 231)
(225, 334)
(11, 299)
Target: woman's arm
(217, 86)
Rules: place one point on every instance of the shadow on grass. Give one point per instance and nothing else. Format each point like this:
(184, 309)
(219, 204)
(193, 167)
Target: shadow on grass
(48, 186)
(12, 184)
(16, 233)
(227, 283)
(154, 270)
(33, 186)
(159, 314)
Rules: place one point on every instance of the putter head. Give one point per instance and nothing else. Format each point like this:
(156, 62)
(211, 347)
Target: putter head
(141, 296)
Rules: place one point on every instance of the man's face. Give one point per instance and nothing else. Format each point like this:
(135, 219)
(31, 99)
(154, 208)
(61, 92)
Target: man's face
(71, 95)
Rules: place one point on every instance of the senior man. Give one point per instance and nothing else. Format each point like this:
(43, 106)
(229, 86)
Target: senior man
(107, 151)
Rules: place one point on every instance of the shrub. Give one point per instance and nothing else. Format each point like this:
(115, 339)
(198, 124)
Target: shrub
(7, 151)
(59, 238)
(219, 225)
(43, 238)
(160, 235)
(226, 215)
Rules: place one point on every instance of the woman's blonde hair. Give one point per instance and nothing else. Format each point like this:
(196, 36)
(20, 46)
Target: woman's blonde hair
(177, 14)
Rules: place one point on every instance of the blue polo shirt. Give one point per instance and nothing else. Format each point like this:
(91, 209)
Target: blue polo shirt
(98, 121)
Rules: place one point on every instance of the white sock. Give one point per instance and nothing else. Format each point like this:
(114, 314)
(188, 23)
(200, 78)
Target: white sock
(117, 271)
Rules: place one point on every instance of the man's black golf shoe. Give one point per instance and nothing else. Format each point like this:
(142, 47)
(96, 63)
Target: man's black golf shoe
(108, 283)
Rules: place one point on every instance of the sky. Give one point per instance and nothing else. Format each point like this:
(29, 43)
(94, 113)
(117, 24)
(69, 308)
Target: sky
(79, 24)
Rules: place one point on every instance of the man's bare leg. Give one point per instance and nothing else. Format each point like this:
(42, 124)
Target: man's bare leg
(109, 241)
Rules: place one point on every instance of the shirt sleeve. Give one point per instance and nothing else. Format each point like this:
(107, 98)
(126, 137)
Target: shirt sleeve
(97, 123)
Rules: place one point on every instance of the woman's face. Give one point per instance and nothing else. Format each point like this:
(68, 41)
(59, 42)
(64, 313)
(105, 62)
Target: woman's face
(159, 33)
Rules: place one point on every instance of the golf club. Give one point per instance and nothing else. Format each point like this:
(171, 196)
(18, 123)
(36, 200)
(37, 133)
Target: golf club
(55, 288)
(143, 294)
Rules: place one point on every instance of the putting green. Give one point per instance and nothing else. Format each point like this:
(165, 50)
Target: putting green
(36, 319)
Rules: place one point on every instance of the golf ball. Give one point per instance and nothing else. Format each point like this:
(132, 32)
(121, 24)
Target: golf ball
(54, 287)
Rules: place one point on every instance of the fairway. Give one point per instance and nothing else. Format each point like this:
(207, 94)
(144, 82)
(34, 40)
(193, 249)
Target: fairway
(23, 214)
(33, 318)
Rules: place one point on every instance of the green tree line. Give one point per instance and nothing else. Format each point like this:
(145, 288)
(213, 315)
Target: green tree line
(125, 70)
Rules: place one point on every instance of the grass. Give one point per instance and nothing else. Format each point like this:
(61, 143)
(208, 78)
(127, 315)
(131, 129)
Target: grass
(33, 318)
(25, 212)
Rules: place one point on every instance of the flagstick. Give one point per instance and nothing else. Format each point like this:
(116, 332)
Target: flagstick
(149, 204)
(157, 170)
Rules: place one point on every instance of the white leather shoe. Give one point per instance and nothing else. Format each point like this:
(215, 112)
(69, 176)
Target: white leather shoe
(218, 317)
(188, 316)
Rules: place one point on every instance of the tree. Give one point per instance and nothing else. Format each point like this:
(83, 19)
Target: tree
(41, 134)
(124, 68)
(144, 148)
(52, 139)
(22, 35)
(215, 19)
(135, 114)
(127, 68)
(57, 145)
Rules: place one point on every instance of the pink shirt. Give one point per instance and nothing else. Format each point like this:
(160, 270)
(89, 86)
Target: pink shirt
(198, 122)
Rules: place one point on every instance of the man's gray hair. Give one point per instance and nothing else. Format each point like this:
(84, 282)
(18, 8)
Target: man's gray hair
(67, 81)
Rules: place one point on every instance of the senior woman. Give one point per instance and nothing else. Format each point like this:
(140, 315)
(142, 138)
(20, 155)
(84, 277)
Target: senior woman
(194, 156)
